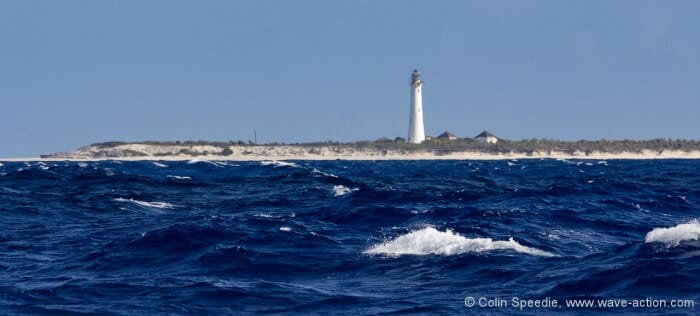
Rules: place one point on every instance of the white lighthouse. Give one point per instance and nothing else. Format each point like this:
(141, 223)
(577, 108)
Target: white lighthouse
(416, 133)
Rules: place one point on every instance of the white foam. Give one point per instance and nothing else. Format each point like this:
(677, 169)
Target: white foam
(430, 241)
(278, 163)
(1, 164)
(566, 161)
(330, 175)
(273, 216)
(510, 164)
(158, 164)
(179, 177)
(82, 165)
(213, 163)
(673, 236)
(340, 190)
(285, 229)
(162, 205)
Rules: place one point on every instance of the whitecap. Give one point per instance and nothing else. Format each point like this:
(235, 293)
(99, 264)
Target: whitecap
(340, 190)
(330, 175)
(1, 164)
(213, 163)
(430, 241)
(161, 205)
(510, 164)
(179, 177)
(274, 216)
(673, 236)
(82, 165)
(278, 163)
(285, 229)
(158, 164)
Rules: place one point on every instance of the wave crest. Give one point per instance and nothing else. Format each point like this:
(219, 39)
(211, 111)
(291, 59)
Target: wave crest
(430, 241)
(340, 190)
(278, 163)
(179, 177)
(213, 163)
(162, 205)
(673, 236)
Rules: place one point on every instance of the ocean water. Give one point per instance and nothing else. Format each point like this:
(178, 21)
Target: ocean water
(348, 237)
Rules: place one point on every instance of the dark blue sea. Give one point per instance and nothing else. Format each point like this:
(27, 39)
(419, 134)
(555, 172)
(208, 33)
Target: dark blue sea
(350, 237)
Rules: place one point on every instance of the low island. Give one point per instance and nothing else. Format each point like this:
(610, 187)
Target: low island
(387, 149)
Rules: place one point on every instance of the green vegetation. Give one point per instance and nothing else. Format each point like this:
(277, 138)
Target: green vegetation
(443, 146)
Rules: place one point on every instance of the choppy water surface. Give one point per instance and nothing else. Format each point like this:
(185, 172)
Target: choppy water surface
(340, 237)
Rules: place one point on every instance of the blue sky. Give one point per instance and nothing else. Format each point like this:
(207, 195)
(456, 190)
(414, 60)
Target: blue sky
(78, 72)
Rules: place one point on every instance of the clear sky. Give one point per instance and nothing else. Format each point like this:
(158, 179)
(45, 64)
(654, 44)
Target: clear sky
(78, 72)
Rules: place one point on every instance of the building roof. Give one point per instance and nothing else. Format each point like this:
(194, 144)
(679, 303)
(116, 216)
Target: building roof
(485, 134)
(447, 134)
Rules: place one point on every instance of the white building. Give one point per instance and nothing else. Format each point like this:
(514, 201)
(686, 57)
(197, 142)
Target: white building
(486, 137)
(416, 132)
(447, 135)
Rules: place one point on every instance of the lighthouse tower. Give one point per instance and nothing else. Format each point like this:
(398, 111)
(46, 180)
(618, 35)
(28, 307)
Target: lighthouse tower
(416, 133)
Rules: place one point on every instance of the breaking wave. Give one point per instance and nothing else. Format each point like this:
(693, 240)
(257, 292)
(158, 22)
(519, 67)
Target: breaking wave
(673, 236)
(430, 241)
(278, 163)
(161, 205)
(330, 175)
(213, 163)
(340, 190)
(179, 177)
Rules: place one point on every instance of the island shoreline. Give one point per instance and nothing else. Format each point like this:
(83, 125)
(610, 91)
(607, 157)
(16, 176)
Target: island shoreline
(464, 156)
(462, 149)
